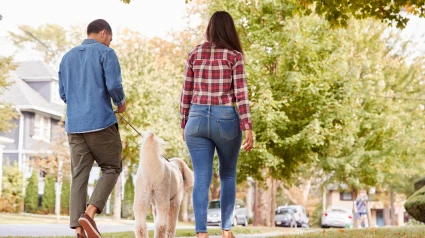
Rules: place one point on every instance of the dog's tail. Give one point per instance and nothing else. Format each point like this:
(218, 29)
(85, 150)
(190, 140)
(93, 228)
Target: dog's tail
(186, 172)
(150, 152)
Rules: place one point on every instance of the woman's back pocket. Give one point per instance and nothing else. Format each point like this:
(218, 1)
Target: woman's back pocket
(228, 128)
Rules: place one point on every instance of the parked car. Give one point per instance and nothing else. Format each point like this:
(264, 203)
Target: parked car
(337, 217)
(240, 214)
(283, 216)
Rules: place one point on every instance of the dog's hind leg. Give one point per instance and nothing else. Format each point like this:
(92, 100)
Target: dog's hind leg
(173, 216)
(140, 209)
(161, 219)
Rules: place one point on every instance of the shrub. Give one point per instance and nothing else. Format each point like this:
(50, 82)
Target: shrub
(12, 198)
(127, 204)
(415, 205)
(31, 194)
(419, 183)
(66, 190)
(48, 202)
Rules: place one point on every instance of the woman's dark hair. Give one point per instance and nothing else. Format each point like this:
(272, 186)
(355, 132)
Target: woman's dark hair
(222, 31)
(97, 26)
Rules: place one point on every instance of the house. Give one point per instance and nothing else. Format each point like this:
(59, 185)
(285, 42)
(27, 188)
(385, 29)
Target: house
(34, 93)
(378, 203)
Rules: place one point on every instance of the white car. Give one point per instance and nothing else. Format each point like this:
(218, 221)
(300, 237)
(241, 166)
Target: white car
(337, 217)
(240, 214)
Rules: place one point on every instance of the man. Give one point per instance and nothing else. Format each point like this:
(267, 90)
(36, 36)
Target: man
(89, 77)
(361, 207)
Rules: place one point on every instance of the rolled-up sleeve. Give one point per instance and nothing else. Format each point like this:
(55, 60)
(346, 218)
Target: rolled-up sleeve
(187, 92)
(61, 88)
(112, 72)
(241, 93)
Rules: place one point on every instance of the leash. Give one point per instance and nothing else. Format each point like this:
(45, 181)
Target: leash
(129, 124)
(138, 133)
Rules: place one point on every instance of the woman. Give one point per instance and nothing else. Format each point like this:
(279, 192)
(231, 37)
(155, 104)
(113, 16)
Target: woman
(214, 81)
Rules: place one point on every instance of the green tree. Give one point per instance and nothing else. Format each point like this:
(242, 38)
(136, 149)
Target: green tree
(31, 193)
(48, 201)
(338, 12)
(11, 199)
(7, 113)
(65, 195)
(50, 39)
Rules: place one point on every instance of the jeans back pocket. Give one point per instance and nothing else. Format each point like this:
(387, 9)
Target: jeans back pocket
(192, 125)
(228, 128)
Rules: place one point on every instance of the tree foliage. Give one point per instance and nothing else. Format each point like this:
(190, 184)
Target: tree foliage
(65, 195)
(50, 39)
(127, 205)
(337, 13)
(48, 201)
(7, 113)
(12, 198)
(324, 100)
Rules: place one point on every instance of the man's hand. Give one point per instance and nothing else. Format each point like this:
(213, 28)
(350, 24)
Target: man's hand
(121, 108)
(248, 143)
(183, 134)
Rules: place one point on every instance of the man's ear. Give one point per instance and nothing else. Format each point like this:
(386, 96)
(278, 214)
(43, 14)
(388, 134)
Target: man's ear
(102, 33)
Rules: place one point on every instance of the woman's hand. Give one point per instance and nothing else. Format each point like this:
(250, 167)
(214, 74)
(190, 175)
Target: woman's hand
(248, 143)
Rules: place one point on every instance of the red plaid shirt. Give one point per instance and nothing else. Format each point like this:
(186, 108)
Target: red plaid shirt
(215, 76)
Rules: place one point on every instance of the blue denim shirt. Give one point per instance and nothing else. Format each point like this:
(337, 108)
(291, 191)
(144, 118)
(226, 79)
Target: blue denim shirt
(89, 77)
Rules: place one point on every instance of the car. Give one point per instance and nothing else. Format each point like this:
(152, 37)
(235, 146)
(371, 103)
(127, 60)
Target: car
(283, 216)
(337, 217)
(240, 213)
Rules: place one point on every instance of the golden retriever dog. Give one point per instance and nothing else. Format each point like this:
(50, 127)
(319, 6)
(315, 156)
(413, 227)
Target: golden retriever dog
(159, 183)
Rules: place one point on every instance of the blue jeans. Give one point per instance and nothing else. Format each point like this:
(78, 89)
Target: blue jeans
(211, 128)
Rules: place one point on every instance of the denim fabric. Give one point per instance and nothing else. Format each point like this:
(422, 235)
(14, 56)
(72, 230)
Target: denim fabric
(89, 77)
(211, 128)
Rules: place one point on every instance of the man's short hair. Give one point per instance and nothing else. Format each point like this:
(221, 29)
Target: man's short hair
(97, 26)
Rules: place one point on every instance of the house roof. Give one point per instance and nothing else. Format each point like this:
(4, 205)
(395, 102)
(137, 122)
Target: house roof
(36, 71)
(25, 98)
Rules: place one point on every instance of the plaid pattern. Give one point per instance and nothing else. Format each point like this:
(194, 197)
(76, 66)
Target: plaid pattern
(215, 76)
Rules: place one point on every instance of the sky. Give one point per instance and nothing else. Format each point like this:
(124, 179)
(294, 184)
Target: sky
(150, 17)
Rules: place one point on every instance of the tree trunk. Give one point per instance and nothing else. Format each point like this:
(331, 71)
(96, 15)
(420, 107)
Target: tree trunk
(256, 205)
(306, 191)
(250, 197)
(117, 200)
(266, 200)
(273, 201)
(392, 211)
(324, 199)
(184, 207)
(387, 219)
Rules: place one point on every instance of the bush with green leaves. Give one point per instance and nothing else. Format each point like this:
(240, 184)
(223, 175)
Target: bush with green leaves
(48, 202)
(419, 183)
(127, 204)
(31, 194)
(12, 198)
(65, 194)
(415, 205)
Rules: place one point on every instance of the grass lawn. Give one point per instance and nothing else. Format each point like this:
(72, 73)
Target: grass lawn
(188, 232)
(405, 231)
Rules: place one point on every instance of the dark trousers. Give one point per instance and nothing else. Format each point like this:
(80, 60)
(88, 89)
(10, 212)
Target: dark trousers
(105, 148)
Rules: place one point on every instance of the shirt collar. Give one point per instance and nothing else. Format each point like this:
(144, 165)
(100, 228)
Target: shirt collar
(89, 41)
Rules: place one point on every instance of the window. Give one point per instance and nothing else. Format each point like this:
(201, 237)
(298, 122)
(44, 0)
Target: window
(346, 196)
(41, 128)
(55, 92)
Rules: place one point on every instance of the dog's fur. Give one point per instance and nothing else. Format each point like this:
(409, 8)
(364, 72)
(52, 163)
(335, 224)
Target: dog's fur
(161, 184)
